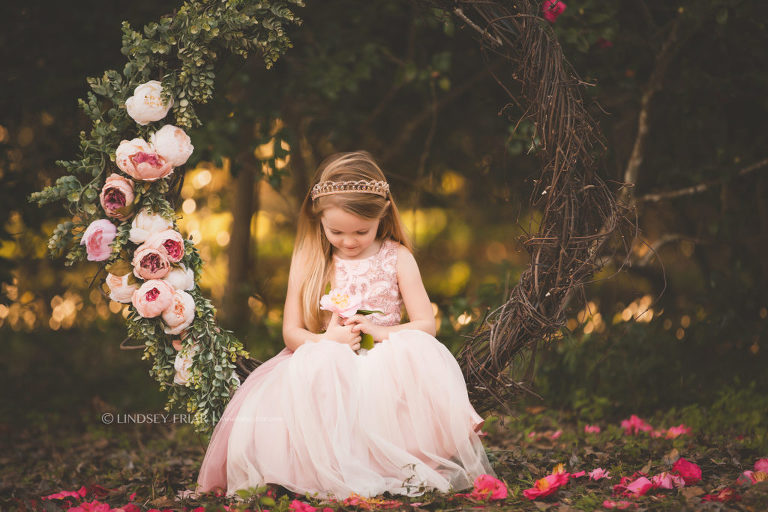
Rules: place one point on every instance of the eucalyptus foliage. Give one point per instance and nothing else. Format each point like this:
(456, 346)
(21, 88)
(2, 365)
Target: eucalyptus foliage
(182, 51)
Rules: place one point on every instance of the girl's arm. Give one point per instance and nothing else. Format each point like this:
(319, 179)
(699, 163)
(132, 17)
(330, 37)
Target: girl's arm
(414, 295)
(294, 334)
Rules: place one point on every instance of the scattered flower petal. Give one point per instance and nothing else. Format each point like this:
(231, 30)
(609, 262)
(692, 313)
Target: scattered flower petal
(599, 473)
(690, 472)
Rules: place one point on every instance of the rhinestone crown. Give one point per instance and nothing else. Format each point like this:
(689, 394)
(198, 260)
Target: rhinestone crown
(325, 188)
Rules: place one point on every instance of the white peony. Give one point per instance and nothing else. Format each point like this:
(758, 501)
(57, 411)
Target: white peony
(181, 278)
(183, 364)
(146, 224)
(180, 314)
(146, 104)
(173, 144)
(121, 288)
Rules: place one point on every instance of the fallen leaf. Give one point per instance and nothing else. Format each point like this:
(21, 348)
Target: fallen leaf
(692, 492)
(671, 457)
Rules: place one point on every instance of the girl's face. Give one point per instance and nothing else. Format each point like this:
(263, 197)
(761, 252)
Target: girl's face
(349, 234)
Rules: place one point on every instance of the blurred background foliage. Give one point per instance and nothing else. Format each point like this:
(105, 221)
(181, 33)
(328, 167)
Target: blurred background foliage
(683, 324)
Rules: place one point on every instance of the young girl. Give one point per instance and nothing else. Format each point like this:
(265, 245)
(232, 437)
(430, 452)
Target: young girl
(318, 417)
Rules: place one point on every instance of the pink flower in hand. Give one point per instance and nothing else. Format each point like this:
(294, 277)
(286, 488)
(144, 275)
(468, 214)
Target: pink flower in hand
(98, 238)
(552, 9)
(340, 302)
(690, 472)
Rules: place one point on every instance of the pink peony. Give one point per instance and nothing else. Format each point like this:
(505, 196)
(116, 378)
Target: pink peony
(98, 238)
(145, 224)
(634, 425)
(690, 472)
(139, 160)
(552, 9)
(116, 196)
(169, 242)
(146, 104)
(150, 263)
(152, 298)
(546, 486)
(181, 277)
(183, 364)
(121, 288)
(667, 480)
(340, 302)
(591, 429)
(180, 313)
(173, 144)
(300, 506)
(761, 465)
(673, 432)
(488, 488)
(599, 473)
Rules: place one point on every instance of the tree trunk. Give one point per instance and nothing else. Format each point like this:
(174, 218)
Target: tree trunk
(235, 310)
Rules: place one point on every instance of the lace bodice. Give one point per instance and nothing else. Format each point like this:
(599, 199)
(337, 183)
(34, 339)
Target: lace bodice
(375, 279)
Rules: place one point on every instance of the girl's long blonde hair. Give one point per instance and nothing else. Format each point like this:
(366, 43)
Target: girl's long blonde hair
(312, 250)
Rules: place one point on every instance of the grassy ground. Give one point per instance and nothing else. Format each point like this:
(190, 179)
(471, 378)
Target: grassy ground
(155, 461)
(57, 387)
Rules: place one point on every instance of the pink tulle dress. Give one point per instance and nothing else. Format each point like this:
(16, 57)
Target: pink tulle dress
(327, 421)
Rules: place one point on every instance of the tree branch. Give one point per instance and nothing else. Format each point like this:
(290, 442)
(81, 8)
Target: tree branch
(653, 85)
(701, 187)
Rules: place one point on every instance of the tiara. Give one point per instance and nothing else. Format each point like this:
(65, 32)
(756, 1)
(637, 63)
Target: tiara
(325, 188)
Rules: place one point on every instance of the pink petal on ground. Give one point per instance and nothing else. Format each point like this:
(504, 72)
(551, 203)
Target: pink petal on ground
(80, 493)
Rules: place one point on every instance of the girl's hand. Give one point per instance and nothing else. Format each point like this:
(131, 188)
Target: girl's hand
(342, 333)
(361, 323)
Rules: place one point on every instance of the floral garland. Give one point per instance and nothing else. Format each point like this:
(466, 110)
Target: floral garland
(125, 220)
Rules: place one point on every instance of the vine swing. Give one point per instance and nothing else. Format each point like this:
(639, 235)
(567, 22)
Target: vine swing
(121, 191)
